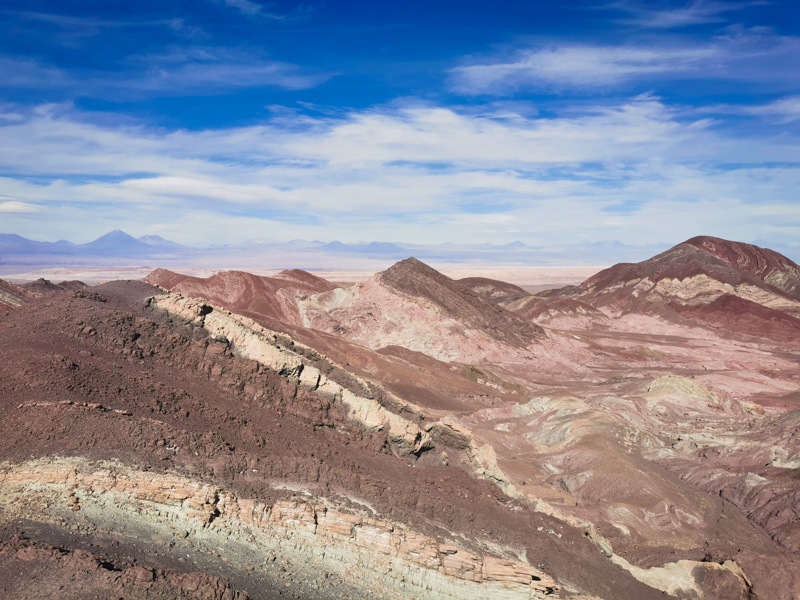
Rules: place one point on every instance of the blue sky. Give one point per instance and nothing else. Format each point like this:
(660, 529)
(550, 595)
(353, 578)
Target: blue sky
(217, 121)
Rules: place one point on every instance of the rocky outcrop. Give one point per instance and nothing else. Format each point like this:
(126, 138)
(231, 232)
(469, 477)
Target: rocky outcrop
(255, 342)
(309, 529)
(37, 570)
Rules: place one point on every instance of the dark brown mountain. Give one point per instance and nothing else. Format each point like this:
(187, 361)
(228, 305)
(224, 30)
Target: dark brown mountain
(499, 292)
(44, 286)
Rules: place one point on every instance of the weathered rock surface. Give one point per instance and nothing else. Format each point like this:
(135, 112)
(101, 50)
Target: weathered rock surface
(402, 559)
(101, 375)
(420, 430)
(251, 340)
(695, 273)
(415, 307)
(36, 570)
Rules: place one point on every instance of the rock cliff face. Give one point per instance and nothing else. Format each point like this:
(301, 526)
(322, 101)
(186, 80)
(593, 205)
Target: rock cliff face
(253, 341)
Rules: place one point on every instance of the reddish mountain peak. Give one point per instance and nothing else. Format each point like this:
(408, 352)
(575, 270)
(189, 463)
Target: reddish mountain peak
(696, 272)
(164, 278)
(757, 261)
(412, 277)
(305, 280)
(733, 263)
(271, 297)
(411, 268)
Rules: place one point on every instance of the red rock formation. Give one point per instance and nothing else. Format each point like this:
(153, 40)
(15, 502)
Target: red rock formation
(694, 273)
(271, 297)
(769, 266)
(416, 307)
(12, 296)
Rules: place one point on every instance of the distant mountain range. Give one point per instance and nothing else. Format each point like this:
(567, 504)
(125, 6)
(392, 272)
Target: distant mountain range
(117, 247)
(117, 243)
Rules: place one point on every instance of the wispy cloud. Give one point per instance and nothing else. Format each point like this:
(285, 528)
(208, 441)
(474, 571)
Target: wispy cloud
(697, 12)
(739, 54)
(183, 71)
(246, 6)
(251, 9)
(30, 73)
(8, 205)
(784, 110)
(75, 28)
(577, 66)
(189, 70)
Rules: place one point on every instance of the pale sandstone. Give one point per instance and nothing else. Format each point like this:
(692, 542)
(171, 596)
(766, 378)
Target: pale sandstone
(399, 557)
(255, 342)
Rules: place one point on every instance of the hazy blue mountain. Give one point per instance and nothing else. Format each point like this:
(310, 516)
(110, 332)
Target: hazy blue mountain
(156, 241)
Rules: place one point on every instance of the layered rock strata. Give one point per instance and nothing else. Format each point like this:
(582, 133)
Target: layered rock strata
(255, 342)
(109, 495)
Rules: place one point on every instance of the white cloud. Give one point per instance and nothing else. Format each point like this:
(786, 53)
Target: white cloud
(754, 55)
(785, 110)
(14, 206)
(191, 70)
(696, 12)
(576, 66)
(639, 171)
(246, 6)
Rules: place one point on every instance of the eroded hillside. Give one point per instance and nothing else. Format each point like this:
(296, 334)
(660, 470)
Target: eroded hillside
(411, 436)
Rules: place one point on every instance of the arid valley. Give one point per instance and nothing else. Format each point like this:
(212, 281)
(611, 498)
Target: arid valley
(407, 435)
(407, 300)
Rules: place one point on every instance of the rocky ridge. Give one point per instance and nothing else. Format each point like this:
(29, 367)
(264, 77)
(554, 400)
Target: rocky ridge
(255, 342)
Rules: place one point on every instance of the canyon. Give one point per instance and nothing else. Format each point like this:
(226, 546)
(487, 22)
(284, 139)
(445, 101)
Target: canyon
(410, 435)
